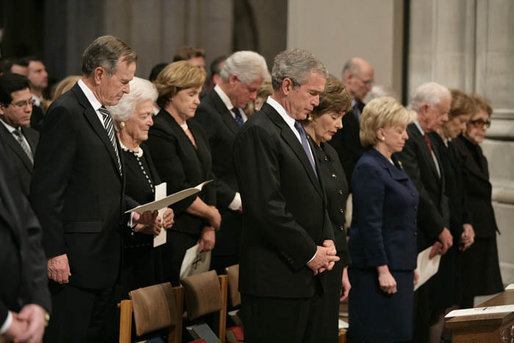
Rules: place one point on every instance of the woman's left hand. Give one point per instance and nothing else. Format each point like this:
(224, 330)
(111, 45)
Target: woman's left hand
(207, 239)
(345, 287)
(168, 217)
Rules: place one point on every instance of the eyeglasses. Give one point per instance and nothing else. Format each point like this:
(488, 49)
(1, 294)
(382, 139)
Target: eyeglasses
(22, 104)
(480, 123)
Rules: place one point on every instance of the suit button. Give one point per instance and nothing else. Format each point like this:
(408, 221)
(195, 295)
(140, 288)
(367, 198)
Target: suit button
(334, 176)
(326, 159)
(340, 192)
(341, 211)
(341, 227)
(413, 194)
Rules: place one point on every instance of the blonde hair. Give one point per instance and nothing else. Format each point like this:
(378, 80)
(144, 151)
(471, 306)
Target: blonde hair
(175, 77)
(64, 85)
(380, 113)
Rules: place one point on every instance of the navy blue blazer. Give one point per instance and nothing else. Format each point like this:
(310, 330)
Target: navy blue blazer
(385, 203)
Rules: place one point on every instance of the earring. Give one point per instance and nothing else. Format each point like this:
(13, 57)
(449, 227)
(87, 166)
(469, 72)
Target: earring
(122, 124)
(382, 139)
(309, 117)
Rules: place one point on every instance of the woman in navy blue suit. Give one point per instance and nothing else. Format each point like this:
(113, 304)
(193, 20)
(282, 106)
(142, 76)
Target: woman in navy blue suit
(383, 231)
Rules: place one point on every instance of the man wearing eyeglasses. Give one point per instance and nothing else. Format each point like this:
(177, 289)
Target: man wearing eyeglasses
(221, 115)
(358, 78)
(15, 113)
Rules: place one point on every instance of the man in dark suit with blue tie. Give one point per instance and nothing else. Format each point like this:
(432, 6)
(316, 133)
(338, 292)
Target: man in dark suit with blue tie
(78, 194)
(221, 115)
(15, 113)
(287, 241)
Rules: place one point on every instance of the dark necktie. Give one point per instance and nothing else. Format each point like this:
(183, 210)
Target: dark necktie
(238, 117)
(23, 144)
(357, 110)
(109, 127)
(305, 144)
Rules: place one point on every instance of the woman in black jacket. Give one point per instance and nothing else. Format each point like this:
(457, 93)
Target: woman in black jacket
(480, 263)
(182, 157)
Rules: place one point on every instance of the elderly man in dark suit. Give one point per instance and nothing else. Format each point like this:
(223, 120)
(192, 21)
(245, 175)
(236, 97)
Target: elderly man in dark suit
(287, 240)
(221, 115)
(24, 295)
(358, 78)
(77, 192)
(15, 113)
(432, 103)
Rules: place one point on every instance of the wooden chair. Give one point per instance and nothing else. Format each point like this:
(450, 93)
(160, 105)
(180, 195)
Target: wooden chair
(153, 308)
(233, 285)
(206, 293)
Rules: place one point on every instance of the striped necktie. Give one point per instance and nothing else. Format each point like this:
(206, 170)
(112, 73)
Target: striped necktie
(238, 117)
(26, 148)
(305, 145)
(109, 127)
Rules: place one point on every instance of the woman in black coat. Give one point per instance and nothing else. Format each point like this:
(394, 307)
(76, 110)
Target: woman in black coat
(182, 157)
(141, 263)
(321, 125)
(480, 263)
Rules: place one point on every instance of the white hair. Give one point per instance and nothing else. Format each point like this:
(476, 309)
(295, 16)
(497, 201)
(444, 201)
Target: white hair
(140, 90)
(248, 65)
(430, 93)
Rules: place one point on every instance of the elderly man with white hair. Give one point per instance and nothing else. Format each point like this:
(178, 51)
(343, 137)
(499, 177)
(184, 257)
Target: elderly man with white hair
(432, 103)
(221, 115)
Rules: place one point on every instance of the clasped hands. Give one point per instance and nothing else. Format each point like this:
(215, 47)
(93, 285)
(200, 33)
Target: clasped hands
(28, 325)
(325, 257)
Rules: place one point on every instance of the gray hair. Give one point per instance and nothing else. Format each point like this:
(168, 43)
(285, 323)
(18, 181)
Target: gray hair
(248, 65)
(430, 93)
(105, 52)
(140, 90)
(297, 65)
(351, 66)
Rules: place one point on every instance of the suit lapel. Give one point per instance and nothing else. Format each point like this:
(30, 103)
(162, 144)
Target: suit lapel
(420, 140)
(8, 211)
(295, 145)
(12, 143)
(97, 126)
(226, 116)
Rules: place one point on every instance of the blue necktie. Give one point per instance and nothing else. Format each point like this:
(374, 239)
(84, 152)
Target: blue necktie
(238, 117)
(305, 144)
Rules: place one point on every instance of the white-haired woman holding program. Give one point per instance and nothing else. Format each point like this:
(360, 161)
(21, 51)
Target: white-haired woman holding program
(133, 117)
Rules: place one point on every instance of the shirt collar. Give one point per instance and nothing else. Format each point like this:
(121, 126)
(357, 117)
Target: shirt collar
(224, 97)
(416, 122)
(8, 127)
(89, 95)
(283, 113)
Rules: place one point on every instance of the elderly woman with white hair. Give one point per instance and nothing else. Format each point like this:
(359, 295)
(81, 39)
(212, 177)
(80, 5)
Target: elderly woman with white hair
(133, 116)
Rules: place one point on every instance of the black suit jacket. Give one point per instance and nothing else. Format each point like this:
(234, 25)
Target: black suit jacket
(284, 215)
(77, 191)
(221, 128)
(433, 212)
(348, 144)
(23, 279)
(36, 119)
(182, 166)
(19, 159)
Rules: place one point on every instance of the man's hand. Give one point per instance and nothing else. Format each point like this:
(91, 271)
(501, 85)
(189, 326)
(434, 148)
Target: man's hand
(386, 280)
(467, 238)
(59, 269)
(323, 260)
(416, 277)
(445, 237)
(214, 217)
(345, 287)
(34, 315)
(146, 221)
(16, 330)
(207, 239)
